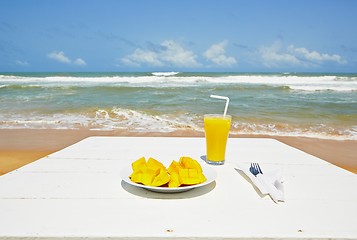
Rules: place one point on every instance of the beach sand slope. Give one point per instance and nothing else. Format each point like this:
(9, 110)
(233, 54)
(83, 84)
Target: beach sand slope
(19, 147)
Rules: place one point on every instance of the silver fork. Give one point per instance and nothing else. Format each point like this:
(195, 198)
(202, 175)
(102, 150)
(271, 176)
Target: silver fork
(255, 169)
(268, 188)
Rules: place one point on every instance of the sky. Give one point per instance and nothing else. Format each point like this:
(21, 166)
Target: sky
(181, 35)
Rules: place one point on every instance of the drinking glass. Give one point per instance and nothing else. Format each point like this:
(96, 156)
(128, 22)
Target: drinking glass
(217, 128)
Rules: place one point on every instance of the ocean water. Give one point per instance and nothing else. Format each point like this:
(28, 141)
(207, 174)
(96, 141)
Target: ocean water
(284, 104)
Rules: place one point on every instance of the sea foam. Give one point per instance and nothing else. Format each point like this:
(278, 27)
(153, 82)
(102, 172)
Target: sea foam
(302, 83)
(273, 104)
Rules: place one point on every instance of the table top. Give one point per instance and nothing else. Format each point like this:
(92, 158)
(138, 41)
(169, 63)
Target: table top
(78, 193)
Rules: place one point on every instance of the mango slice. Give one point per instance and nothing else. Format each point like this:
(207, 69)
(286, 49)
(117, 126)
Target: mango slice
(191, 176)
(136, 164)
(191, 172)
(186, 171)
(155, 164)
(162, 178)
(190, 163)
(149, 173)
(174, 167)
(174, 180)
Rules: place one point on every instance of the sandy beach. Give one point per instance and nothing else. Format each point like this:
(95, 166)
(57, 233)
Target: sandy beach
(19, 147)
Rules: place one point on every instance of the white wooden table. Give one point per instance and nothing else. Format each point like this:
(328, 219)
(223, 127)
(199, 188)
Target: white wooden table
(77, 193)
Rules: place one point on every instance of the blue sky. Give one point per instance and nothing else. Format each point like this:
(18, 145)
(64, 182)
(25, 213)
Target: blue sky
(185, 35)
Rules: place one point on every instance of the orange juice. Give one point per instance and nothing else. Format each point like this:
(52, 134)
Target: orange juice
(217, 130)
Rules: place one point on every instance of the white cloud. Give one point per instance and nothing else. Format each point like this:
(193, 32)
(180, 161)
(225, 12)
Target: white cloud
(61, 57)
(314, 56)
(127, 61)
(273, 56)
(146, 57)
(216, 54)
(22, 63)
(277, 56)
(176, 55)
(168, 53)
(80, 62)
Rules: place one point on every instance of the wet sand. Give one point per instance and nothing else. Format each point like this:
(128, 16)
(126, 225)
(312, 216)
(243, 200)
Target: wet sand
(19, 147)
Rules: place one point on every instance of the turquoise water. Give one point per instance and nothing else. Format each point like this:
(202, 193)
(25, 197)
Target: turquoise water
(316, 105)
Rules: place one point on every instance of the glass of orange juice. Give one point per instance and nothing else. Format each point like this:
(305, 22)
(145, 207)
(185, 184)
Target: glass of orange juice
(217, 128)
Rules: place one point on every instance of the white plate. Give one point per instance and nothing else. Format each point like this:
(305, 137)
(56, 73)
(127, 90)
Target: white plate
(209, 173)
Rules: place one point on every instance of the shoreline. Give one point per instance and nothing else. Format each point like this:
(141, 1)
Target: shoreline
(19, 147)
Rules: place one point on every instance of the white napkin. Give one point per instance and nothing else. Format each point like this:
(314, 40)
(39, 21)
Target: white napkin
(268, 183)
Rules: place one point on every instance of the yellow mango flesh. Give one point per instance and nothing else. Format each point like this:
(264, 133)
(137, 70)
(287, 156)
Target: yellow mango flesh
(149, 173)
(190, 163)
(135, 165)
(154, 164)
(136, 176)
(174, 167)
(162, 178)
(174, 180)
(186, 171)
(191, 176)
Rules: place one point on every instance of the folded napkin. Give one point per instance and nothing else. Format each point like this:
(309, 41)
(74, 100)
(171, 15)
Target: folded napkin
(268, 183)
